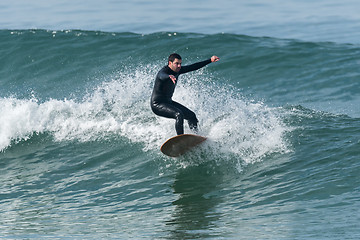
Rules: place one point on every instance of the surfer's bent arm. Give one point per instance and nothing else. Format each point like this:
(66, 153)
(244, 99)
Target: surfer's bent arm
(162, 75)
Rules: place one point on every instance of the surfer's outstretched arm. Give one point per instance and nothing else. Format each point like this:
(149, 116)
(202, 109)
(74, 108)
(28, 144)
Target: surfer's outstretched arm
(198, 65)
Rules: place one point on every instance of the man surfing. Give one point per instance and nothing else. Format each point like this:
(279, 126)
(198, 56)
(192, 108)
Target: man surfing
(164, 87)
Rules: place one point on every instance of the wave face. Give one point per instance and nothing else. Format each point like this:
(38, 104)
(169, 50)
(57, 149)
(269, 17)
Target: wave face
(80, 146)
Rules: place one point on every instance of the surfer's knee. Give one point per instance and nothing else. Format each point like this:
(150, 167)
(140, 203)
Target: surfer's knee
(193, 120)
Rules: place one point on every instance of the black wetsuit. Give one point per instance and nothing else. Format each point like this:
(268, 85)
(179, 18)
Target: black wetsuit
(163, 105)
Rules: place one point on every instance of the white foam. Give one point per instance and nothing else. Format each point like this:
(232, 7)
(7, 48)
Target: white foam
(235, 125)
(120, 106)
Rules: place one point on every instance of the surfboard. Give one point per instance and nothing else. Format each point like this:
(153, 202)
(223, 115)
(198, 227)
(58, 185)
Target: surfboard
(180, 144)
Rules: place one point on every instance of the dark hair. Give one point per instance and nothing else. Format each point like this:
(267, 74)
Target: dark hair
(173, 56)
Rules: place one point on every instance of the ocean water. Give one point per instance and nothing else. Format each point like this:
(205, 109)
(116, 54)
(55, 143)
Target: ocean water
(79, 145)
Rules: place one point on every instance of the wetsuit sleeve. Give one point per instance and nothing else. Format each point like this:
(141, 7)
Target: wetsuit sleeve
(194, 66)
(162, 75)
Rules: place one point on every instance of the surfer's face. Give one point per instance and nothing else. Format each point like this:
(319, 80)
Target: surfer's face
(175, 65)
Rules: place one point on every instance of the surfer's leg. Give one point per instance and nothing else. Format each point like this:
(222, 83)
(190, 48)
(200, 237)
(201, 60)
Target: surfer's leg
(188, 115)
(170, 111)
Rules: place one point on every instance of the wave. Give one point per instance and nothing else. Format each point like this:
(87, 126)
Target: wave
(77, 133)
(120, 107)
(88, 85)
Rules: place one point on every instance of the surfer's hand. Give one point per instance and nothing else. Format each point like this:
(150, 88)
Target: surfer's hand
(173, 78)
(215, 58)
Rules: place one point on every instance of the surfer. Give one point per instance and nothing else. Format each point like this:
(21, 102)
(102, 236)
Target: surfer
(164, 87)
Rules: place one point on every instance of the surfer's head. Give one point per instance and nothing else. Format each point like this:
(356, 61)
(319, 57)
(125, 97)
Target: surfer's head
(175, 62)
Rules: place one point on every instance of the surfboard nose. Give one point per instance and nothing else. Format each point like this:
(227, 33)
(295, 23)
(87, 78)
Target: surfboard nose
(180, 144)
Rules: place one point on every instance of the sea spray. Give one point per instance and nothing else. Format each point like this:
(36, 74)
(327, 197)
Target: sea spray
(119, 106)
(234, 124)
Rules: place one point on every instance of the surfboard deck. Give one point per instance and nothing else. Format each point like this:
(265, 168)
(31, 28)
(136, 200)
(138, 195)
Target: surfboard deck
(180, 144)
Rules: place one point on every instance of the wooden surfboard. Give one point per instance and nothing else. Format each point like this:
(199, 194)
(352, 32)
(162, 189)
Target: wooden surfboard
(178, 145)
